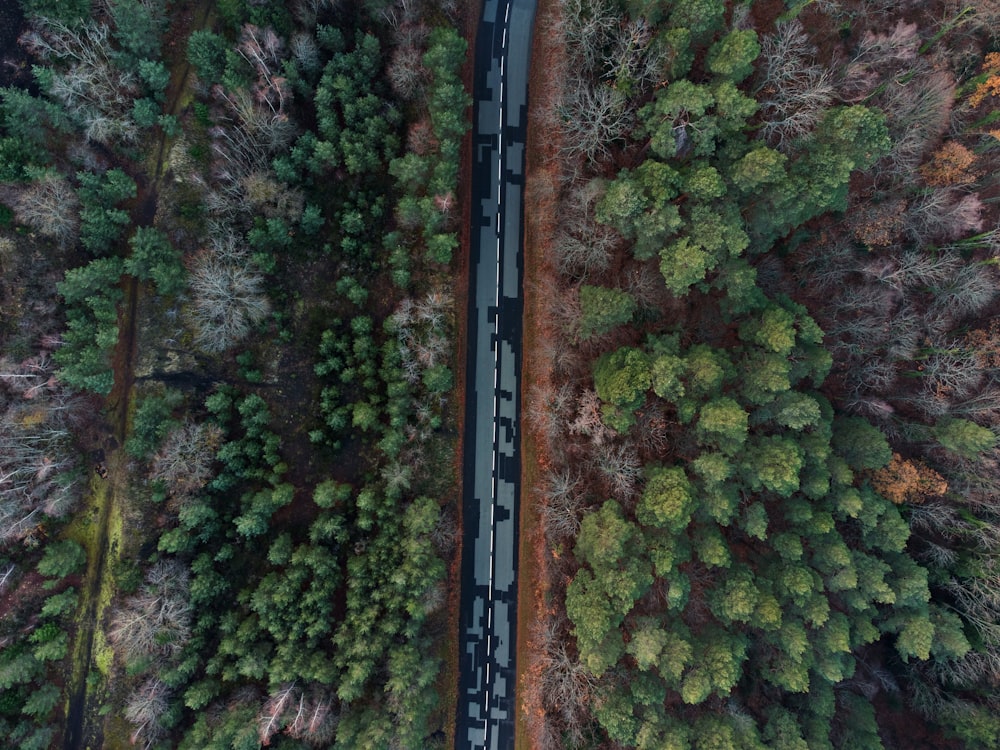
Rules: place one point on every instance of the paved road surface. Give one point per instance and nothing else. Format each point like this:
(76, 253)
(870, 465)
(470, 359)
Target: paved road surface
(492, 440)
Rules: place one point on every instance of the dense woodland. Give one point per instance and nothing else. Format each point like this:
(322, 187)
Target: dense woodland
(771, 457)
(227, 473)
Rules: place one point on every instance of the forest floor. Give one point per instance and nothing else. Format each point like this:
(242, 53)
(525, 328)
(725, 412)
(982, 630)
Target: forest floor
(448, 680)
(540, 220)
(100, 527)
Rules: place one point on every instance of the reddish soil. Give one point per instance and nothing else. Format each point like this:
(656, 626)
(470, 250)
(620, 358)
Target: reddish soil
(542, 191)
(448, 680)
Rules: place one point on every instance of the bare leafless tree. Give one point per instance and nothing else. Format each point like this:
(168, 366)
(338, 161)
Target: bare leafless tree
(620, 468)
(567, 686)
(917, 113)
(593, 117)
(49, 206)
(228, 300)
(588, 26)
(793, 89)
(184, 462)
(951, 372)
(155, 621)
(588, 419)
(969, 291)
(406, 72)
(39, 471)
(911, 268)
(315, 717)
(943, 214)
(423, 329)
(283, 706)
(267, 196)
(563, 501)
(633, 58)
(85, 78)
(306, 11)
(146, 704)
(5, 575)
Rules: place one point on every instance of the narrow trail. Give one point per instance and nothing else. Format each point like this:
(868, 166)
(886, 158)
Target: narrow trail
(84, 722)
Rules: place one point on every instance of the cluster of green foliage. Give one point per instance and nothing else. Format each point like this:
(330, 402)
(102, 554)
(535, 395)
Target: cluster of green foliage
(428, 180)
(759, 562)
(36, 642)
(154, 258)
(106, 79)
(152, 421)
(278, 623)
(27, 122)
(708, 192)
(335, 612)
(776, 560)
(102, 223)
(356, 135)
(337, 578)
(351, 355)
(91, 294)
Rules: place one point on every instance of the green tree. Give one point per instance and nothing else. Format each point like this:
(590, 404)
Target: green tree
(773, 330)
(59, 604)
(702, 17)
(710, 546)
(707, 370)
(737, 598)
(860, 443)
(702, 182)
(757, 167)
(640, 205)
(773, 463)
(41, 701)
(962, 437)
(782, 730)
(68, 11)
(621, 379)
(681, 103)
(792, 409)
(684, 264)
(719, 665)
(647, 642)
(732, 56)
(61, 559)
(154, 259)
(604, 308)
(615, 575)
(206, 51)
(667, 373)
(723, 424)
(102, 223)
(667, 499)
(139, 26)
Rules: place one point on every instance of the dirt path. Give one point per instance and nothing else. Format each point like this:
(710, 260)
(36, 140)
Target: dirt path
(88, 693)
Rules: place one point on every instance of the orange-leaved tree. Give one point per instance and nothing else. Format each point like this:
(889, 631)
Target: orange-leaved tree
(908, 480)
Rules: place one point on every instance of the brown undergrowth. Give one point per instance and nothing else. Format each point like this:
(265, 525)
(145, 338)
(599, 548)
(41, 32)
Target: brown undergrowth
(447, 686)
(542, 171)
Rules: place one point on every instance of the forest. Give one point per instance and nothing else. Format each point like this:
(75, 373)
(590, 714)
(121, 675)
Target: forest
(768, 462)
(227, 473)
(761, 374)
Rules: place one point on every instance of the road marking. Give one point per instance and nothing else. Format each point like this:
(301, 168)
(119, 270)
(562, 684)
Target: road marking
(501, 157)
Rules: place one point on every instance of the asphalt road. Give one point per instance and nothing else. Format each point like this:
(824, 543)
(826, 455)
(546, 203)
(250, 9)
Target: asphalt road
(492, 468)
